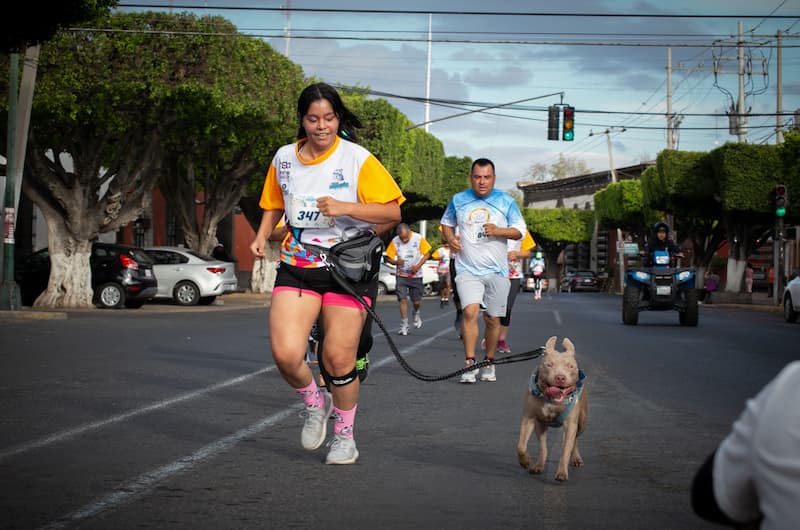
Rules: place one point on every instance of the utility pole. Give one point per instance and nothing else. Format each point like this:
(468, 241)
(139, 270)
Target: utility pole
(423, 224)
(9, 290)
(779, 91)
(287, 31)
(670, 134)
(741, 127)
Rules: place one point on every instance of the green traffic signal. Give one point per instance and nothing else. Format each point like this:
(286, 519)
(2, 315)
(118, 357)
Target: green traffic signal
(568, 132)
(780, 212)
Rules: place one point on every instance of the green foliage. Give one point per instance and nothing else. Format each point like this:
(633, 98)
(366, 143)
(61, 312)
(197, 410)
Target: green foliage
(33, 22)
(789, 154)
(747, 174)
(559, 225)
(621, 205)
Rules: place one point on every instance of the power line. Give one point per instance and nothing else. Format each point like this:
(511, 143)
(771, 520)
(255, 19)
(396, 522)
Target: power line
(283, 10)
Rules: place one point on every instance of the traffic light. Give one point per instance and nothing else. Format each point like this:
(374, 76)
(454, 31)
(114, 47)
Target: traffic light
(568, 133)
(552, 122)
(780, 200)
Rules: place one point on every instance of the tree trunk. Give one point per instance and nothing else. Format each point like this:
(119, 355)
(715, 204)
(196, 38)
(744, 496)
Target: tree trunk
(262, 279)
(70, 283)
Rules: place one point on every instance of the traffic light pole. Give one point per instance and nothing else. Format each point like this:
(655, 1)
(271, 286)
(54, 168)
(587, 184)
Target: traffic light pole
(779, 261)
(9, 290)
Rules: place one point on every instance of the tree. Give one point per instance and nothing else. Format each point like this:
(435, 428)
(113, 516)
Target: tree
(621, 205)
(563, 168)
(745, 175)
(682, 184)
(223, 137)
(32, 24)
(555, 228)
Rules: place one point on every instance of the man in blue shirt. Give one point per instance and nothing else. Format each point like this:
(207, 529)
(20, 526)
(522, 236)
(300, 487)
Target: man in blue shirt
(486, 219)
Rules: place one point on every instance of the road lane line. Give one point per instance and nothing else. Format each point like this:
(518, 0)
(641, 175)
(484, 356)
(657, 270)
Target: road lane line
(93, 426)
(557, 317)
(146, 482)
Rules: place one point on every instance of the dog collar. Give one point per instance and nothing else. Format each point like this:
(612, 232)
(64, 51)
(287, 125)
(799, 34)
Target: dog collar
(569, 401)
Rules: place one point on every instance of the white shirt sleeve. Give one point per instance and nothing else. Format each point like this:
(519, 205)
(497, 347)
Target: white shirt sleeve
(757, 466)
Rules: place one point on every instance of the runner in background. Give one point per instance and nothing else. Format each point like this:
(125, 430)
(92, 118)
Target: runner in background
(408, 251)
(537, 268)
(442, 254)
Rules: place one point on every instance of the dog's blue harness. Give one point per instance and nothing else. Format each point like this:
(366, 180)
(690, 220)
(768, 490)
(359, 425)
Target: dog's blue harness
(537, 392)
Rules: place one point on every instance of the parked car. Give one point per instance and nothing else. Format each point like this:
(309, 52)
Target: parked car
(122, 275)
(387, 280)
(189, 278)
(791, 300)
(580, 281)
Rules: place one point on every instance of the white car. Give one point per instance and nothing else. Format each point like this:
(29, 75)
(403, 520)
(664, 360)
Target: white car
(189, 278)
(791, 300)
(387, 279)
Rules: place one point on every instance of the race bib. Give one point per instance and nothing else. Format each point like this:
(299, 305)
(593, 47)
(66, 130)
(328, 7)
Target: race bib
(477, 233)
(304, 213)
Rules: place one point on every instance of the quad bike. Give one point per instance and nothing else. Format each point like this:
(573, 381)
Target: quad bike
(662, 287)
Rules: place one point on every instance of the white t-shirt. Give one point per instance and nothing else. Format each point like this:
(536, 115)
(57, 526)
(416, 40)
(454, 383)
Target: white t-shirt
(757, 466)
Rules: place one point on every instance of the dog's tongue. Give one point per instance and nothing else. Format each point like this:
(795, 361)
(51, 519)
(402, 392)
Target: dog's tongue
(556, 394)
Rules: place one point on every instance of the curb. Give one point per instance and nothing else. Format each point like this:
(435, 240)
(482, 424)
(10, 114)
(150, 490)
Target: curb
(33, 315)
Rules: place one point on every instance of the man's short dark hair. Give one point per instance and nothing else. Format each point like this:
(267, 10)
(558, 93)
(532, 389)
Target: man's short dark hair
(482, 162)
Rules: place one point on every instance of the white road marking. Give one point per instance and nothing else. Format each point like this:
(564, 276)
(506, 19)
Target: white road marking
(143, 484)
(557, 317)
(95, 425)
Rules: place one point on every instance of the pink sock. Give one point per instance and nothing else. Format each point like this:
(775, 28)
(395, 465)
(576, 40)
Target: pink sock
(310, 394)
(345, 419)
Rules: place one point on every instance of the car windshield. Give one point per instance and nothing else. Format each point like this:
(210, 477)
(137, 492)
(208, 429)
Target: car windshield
(587, 274)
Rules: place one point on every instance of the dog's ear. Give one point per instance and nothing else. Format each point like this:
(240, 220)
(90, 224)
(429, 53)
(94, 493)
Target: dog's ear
(569, 348)
(550, 345)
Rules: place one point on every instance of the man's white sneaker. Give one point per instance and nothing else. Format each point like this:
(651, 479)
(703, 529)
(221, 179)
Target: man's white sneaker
(343, 451)
(417, 321)
(403, 330)
(316, 424)
(469, 377)
(487, 373)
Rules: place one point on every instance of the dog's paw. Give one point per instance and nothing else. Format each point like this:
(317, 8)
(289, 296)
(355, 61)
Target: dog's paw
(524, 460)
(577, 461)
(536, 470)
(562, 475)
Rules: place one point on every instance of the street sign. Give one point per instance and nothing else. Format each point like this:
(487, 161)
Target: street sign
(631, 249)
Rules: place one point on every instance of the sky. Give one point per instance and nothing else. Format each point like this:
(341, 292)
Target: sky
(611, 68)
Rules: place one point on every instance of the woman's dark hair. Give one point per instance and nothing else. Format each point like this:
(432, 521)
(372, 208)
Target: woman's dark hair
(348, 122)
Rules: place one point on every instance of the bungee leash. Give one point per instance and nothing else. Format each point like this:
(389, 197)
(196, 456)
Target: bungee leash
(507, 359)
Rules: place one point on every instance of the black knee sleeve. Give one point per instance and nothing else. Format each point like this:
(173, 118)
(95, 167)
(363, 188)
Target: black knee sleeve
(343, 380)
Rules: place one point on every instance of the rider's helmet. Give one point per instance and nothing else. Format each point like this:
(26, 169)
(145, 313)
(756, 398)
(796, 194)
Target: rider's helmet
(659, 226)
(538, 255)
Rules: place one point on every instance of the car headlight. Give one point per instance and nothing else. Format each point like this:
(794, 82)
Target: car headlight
(641, 276)
(683, 276)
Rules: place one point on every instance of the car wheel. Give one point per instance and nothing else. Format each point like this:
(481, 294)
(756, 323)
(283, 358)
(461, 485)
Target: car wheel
(186, 293)
(111, 296)
(207, 300)
(789, 314)
(134, 304)
(381, 288)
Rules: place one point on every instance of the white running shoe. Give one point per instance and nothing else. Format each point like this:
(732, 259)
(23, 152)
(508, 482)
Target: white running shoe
(343, 450)
(469, 377)
(315, 426)
(417, 320)
(487, 373)
(403, 330)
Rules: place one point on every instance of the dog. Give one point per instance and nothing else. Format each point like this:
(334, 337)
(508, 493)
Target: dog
(556, 396)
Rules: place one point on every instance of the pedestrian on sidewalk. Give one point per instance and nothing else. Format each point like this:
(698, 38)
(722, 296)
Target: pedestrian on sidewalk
(408, 251)
(748, 278)
(325, 183)
(486, 219)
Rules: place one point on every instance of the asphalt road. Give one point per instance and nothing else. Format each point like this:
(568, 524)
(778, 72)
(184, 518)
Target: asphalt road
(160, 418)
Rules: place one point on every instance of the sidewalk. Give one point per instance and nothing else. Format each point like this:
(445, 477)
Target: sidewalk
(755, 302)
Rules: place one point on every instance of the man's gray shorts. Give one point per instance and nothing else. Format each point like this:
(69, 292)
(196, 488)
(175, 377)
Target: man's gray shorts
(409, 287)
(490, 289)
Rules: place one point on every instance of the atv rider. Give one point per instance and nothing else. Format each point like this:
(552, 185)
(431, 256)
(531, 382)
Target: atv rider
(660, 241)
